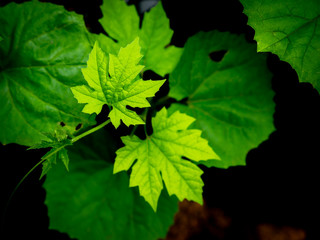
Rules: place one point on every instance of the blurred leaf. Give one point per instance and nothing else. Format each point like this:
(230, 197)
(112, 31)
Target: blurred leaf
(90, 202)
(290, 29)
(121, 22)
(228, 87)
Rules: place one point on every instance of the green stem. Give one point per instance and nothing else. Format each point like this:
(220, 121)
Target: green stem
(28, 173)
(77, 138)
(133, 130)
(145, 130)
(163, 100)
(50, 154)
(25, 176)
(144, 117)
(14, 191)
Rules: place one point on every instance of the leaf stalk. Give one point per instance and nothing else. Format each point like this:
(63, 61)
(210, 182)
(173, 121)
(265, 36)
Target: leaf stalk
(77, 138)
(73, 140)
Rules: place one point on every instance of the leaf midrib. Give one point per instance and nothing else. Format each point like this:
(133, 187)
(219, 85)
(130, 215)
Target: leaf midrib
(176, 143)
(168, 160)
(219, 69)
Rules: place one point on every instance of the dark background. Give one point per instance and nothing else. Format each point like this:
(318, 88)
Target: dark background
(273, 196)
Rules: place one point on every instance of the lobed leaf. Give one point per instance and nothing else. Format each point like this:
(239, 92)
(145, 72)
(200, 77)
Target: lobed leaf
(59, 141)
(289, 29)
(47, 164)
(102, 205)
(113, 81)
(162, 153)
(39, 62)
(230, 95)
(121, 22)
(51, 158)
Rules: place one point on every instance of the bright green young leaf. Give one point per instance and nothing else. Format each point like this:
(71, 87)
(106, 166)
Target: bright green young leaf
(39, 62)
(113, 81)
(47, 164)
(121, 22)
(63, 155)
(55, 154)
(90, 202)
(58, 141)
(162, 153)
(231, 99)
(290, 29)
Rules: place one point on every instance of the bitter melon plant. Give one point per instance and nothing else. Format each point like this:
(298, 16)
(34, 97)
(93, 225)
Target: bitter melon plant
(58, 80)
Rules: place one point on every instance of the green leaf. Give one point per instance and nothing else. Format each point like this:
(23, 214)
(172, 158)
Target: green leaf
(90, 202)
(63, 155)
(121, 22)
(162, 153)
(39, 62)
(47, 164)
(59, 141)
(52, 156)
(231, 99)
(114, 82)
(289, 29)
(155, 36)
(57, 138)
(59, 152)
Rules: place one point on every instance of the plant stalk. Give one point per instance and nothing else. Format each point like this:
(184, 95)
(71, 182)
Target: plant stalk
(77, 138)
(73, 140)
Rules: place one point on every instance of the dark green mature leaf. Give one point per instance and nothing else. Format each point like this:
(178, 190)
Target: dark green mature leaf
(90, 202)
(121, 22)
(39, 62)
(290, 29)
(162, 152)
(155, 35)
(231, 99)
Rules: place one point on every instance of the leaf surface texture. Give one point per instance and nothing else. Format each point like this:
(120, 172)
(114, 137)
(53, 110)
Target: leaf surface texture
(39, 62)
(121, 22)
(114, 81)
(89, 202)
(291, 30)
(230, 96)
(162, 153)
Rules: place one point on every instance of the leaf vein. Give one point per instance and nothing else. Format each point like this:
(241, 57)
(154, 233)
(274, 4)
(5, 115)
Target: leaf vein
(291, 33)
(36, 96)
(20, 113)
